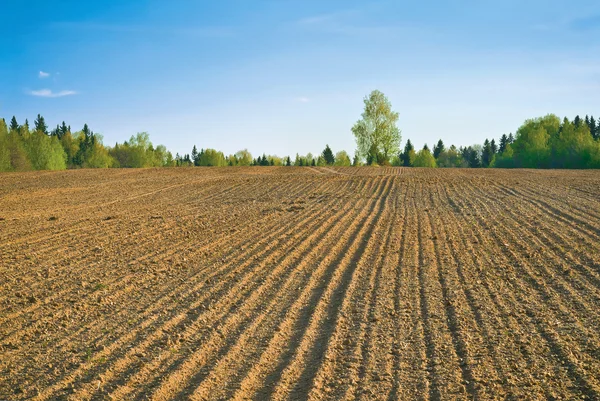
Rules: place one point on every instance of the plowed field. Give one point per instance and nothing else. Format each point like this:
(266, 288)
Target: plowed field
(299, 283)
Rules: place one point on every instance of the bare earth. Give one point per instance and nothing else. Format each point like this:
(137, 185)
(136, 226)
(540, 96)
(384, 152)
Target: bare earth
(299, 283)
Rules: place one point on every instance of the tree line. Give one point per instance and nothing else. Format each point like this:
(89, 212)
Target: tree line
(545, 142)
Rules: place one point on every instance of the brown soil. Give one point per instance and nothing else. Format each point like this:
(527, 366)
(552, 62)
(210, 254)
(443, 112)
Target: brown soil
(300, 283)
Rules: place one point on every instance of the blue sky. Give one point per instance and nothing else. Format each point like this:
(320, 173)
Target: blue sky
(289, 76)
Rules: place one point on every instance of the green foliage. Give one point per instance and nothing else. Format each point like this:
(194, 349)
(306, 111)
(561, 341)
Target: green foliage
(377, 136)
(40, 125)
(211, 158)
(487, 154)
(438, 149)
(342, 159)
(573, 147)
(5, 163)
(531, 146)
(424, 158)
(328, 156)
(243, 158)
(450, 158)
(44, 152)
(408, 155)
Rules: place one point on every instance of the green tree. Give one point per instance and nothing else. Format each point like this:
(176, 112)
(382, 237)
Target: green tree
(594, 129)
(531, 146)
(40, 125)
(487, 154)
(244, 158)
(503, 143)
(408, 155)
(450, 158)
(376, 133)
(14, 126)
(424, 158)
(212, 158)
(328, 156)
(342, 159)
(438, 148)
(195, 157)
(5, 162)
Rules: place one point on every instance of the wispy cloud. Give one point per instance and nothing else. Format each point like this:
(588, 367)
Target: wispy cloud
(49, 93)
(302, 99)
(207, 31)
(43, 74)
(345, 22)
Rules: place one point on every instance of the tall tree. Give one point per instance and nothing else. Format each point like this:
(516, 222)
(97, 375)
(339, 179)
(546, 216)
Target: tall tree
(438, 148)
(577, 121)
(408, 156)
(195, 157)
(511, 139)
(424, 158)
(40, 125)
(487, 154)
(376, 133)
(328, 156)
(594, 129)
(14, 126)
(503, 143)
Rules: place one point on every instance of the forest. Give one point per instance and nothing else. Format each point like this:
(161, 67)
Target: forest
(545, 142)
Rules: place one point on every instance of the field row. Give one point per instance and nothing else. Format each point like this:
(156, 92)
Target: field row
(300, 283)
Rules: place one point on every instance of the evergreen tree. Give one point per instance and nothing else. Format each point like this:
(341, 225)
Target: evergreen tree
(40, 125)
(438, 149)
(14, 126)
(577, 121)
(494, 146)
(328, 156)
(265, 161)
(314, 163)
(195, 157)
(408, 155)
(487, 154)
(288, 161)
(587, 121)
(63, 130)
(594, 129)
(503, 143)
(355, 160)
(511, 139)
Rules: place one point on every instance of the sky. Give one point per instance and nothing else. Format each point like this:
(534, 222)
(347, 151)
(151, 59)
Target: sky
(287, 76)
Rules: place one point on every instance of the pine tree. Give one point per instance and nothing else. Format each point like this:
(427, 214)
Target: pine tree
(265, 161)
(288, 162)
(511, 139)
(63, 130)
(195, 157)
(408, 154)
(502, 143)
(328, 155)
(438, 149)
(594, 129)
(587, 121)
(494, 146)
(14, 126)
(487, 154)
(314, 163)
(577, 121)
(40, 125)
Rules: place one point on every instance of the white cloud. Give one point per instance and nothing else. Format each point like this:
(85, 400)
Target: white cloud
(49, 93)
(302, 99)
(43, 74)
